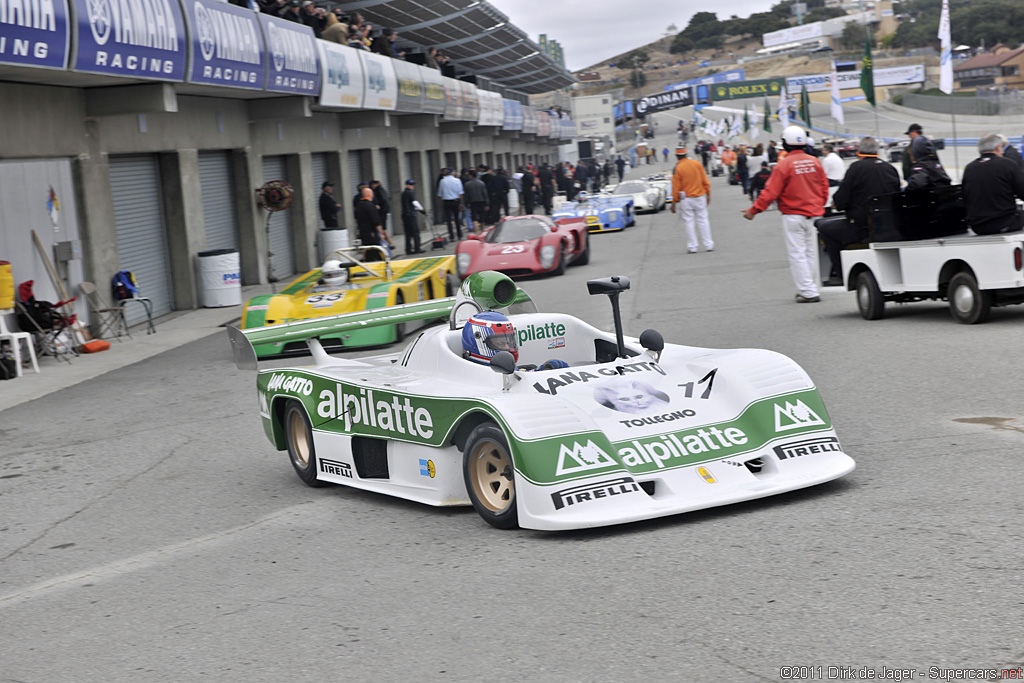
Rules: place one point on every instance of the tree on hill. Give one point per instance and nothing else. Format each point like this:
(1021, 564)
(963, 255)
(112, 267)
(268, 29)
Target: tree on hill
(980, 22)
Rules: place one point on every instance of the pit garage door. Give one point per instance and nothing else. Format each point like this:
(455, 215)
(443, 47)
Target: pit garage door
(141, 230)
(218, 200)
(281, 243)
(319, 178)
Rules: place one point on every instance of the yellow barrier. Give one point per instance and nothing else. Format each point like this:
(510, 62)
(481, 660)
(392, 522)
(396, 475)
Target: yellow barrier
(6, 286)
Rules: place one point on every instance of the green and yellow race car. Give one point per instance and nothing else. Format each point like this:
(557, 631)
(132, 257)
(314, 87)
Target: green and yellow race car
(345, 285)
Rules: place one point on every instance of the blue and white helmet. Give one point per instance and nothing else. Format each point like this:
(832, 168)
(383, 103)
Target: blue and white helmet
(487, 333)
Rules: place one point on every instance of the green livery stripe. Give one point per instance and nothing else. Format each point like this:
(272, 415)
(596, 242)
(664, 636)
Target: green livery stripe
(296, 286)
(257, 318)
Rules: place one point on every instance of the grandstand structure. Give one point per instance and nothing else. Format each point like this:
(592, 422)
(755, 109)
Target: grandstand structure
(479, 38)
(142, 143)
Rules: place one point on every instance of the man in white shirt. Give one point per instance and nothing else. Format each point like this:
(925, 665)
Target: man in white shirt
(450, 191)
(835, 167)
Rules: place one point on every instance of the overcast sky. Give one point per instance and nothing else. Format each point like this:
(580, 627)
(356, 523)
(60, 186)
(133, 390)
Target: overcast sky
(594, 30)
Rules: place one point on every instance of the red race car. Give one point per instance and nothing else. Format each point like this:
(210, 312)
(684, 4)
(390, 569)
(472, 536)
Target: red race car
(525, 245)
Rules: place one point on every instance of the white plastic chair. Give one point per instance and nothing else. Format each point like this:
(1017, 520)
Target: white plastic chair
(16, 338)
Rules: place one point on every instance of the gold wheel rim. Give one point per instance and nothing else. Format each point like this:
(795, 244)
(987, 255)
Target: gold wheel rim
(491, 474)
(300, 439)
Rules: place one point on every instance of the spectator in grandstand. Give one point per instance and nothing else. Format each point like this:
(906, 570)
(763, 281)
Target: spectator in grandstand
(292, 11)
(384, 44)
(336, 30)
(314, 17)
(444, 63)
(431, 58)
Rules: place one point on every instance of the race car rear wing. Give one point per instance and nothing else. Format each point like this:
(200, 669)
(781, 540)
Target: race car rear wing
(486, 290)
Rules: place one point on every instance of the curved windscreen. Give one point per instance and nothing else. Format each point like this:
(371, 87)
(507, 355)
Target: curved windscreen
(519, 230)
(631, 188)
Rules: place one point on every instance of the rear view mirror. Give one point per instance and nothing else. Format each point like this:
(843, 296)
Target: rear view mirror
(503, 362)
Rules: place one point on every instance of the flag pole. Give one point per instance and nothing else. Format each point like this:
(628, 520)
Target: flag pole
(956, 152)
(946, 81)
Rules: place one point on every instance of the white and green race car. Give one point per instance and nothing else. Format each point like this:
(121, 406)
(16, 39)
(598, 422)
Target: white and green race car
(623, 429)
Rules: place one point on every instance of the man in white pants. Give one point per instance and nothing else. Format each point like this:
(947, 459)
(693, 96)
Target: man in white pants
(801, 188)
(692, 191)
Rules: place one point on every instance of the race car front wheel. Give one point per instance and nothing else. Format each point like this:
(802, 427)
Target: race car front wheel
(299, 435)
(967, 302)
(487, 469)
(400, 327)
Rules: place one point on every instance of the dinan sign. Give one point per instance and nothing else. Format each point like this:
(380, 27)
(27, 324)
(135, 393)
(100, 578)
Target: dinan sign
(672, 99)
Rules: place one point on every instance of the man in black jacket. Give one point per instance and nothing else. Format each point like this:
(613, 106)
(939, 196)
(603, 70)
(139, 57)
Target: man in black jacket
(925, 170)
(990, 185)
(528, 198)
(865, 178)
(476, 197)
(382, 198)
(329, 206)
(371, 230)
(546, 181)
(498, 191)
(409, 224)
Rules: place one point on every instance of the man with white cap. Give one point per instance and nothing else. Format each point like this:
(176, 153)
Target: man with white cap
(800, 186)
(692, 191)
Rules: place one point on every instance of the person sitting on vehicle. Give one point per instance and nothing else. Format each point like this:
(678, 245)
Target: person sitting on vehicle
(926, 172)
(866, 177)
(991, 185)
(333, 276)
(487, 333)
(759, 179)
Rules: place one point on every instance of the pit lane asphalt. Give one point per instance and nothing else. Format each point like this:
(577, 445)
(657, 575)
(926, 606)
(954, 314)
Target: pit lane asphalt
(151, 533)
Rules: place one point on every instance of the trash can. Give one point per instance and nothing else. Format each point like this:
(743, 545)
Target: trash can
(331, 239)
(220, 278)
(6, 286)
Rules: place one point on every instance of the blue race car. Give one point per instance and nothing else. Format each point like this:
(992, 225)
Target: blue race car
(602, 212)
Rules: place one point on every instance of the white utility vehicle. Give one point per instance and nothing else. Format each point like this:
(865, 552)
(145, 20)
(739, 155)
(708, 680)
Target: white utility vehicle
(972, 272)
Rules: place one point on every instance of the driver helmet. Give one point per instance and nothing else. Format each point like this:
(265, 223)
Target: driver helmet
(333, 274)
(582, 196)
(487, 333)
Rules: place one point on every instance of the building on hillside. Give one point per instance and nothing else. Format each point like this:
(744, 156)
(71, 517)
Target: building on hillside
(999, 68)
(593, 115)
(825, 34)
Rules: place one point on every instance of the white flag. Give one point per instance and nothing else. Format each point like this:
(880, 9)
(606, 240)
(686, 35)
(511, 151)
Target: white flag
(946, 60)
(755, 127)
(783, 107)
(837, 106)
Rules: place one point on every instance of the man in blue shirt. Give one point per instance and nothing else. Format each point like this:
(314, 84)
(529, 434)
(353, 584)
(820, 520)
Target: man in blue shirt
(450, 191)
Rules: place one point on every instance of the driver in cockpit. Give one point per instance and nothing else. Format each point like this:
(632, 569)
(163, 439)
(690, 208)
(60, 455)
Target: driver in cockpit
(333, 276)
(487, 333)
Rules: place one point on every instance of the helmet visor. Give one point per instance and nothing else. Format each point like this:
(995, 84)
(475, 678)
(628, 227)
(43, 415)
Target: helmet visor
(503, 342)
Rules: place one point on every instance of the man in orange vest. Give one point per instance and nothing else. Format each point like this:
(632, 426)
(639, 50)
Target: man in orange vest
(691, 190)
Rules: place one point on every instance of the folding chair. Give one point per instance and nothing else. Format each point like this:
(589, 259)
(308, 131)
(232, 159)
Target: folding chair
(54, 332)
(110, 319)
(17, 339)
(125, 289)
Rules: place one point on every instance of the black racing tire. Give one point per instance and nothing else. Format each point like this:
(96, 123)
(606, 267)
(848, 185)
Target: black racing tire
(869, 297)
(451, 284)
(632, 219)
(490, 476)
(584, 257)
(399, 327)
(299, 436)
(560, 268)
(967, 302)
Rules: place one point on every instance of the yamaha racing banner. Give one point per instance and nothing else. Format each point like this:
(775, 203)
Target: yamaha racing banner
(434, 99)
(226, 46)
(34, 33)
(133, 38)
(513, 115)
(292, 59)
(662, 101)
(410, 86)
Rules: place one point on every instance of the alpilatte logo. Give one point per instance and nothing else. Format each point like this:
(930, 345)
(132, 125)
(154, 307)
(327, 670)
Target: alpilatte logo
(545, 331)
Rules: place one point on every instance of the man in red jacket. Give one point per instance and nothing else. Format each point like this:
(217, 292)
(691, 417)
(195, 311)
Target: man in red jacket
(799, 185)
